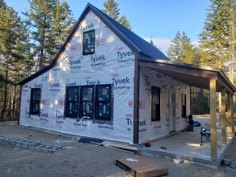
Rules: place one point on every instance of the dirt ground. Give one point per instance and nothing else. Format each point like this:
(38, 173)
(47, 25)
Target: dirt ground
(84, 159)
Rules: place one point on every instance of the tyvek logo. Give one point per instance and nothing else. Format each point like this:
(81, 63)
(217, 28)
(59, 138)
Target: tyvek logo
(84, 28)
(54, 86)
(44, 116)
(142, 124)
(98, 60)
(37, 85)
(124, 56)
(71, 84)
(122, 83)
(97, 82)
(75, 63)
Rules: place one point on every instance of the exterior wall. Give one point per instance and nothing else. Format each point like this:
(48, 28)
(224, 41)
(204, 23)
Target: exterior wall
(112, 63)
(149, 130)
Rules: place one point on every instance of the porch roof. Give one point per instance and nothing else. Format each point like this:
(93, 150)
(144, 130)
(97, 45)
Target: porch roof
(192, 75)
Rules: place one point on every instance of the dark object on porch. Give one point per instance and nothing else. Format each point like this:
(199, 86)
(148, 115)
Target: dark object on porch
(90, 140)
(226, 162)
(206, 134)
(190, 123)
(141, 167)
(190, 120)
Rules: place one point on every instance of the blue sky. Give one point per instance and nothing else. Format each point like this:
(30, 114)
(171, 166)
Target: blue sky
(156, 19)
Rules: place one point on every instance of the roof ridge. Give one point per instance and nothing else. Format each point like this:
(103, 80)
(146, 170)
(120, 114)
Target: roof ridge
(144, 47)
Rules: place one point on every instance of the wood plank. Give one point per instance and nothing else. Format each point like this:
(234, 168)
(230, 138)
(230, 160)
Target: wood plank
(141, 167)
(229, 116)
(223, 117)
(136, 101)
(213, 119)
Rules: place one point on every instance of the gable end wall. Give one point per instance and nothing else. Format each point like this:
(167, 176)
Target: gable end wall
(112, 63)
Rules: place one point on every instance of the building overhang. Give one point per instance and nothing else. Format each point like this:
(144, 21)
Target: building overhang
(192, 75)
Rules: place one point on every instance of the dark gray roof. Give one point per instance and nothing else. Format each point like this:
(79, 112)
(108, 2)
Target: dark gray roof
(131, 39)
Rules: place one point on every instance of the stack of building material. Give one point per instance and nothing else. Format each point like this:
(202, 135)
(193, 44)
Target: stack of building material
(29, 144)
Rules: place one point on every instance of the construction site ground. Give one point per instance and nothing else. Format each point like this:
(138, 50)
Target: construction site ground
(78, 159)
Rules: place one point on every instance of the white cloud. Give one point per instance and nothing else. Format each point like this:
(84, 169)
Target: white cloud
(161, 43)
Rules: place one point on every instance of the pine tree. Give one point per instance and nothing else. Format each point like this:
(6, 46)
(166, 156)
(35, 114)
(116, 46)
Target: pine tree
(187, 53)
(50, 25)
(216, 36)
(13, 61)
(175, 48)
(182, 50)
(112, 9)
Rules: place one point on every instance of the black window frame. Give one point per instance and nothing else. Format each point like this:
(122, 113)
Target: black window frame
(155, 103)
(103, 102)
(83, 101)
(183, 105)
(89, 47)
(35, 102)
(67, 102)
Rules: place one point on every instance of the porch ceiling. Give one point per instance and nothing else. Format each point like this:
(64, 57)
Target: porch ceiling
(191, 75)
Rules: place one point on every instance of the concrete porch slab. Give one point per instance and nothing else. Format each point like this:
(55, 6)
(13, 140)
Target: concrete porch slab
(187, 145)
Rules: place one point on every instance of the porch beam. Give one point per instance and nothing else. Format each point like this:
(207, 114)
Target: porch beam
(213, 119)
(180, 69)
(223, 117)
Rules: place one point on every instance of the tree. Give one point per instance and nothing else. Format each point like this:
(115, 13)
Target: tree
(174, 50)
(50, 22)
(111, 9)
(217, 34)
(182, 50)
(14, 63)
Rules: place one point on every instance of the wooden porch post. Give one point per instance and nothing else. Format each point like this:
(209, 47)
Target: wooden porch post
(230, 115)
(136, 102)
(223, 117)
(213, 119)
(232, 112)
(233, 99)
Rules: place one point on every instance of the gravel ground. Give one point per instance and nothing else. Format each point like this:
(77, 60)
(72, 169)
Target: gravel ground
(85, 160)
